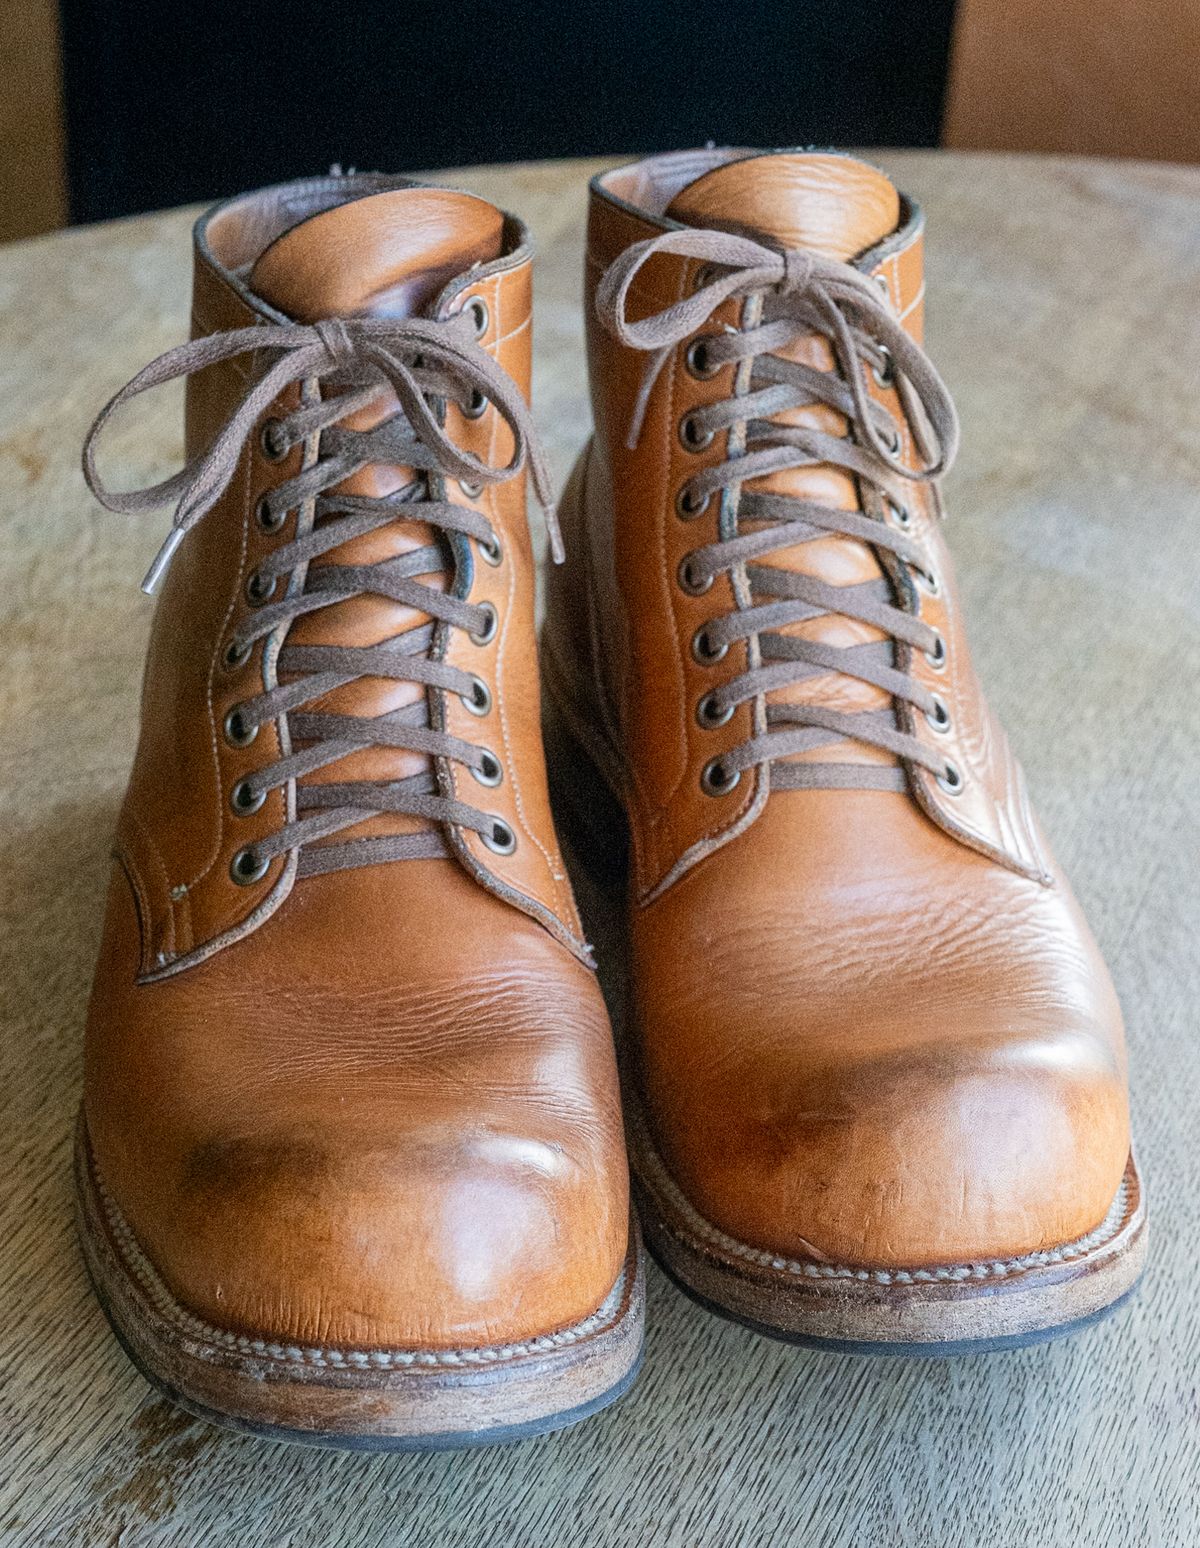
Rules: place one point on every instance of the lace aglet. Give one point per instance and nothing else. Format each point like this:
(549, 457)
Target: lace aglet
(558, 550)
(162, 560)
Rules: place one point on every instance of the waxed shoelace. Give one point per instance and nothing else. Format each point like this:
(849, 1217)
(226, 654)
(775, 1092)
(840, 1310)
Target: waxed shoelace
(801, 293)
(422, 361)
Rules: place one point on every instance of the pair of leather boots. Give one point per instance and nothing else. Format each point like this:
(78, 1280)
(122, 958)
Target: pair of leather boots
(352, 1161)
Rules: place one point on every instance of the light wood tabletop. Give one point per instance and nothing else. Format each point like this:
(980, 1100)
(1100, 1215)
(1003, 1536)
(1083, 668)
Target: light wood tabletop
(1064, 312)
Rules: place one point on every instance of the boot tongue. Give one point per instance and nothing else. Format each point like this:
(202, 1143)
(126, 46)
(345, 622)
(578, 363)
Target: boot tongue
(829, 204)
(384, 255)
(839, 208)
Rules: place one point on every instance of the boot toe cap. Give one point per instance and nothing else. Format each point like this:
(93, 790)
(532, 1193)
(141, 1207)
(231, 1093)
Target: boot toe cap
(1008, 1146)
(430, 1240)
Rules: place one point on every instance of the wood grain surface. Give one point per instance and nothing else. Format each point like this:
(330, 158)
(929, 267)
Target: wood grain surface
(1064, 311)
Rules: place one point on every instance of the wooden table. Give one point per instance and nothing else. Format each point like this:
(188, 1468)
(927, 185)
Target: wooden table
(1065, 314)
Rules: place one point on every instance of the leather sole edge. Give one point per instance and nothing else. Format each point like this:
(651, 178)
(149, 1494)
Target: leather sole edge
(401, 1400)
(966, 1308)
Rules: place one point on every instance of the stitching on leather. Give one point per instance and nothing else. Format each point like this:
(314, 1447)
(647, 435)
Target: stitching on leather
(651, 878)
(895, 296)
(664, 509)
(519, 329)
(187, 921)
(724, 828)
(565, 925)
(652, 809)
(219, 843)
(1026, 809)
(1119, 1213)
(964, 688)
(649, 296)
(141, 893)
(913, 304)
(164, 1303)
(1010, 851)
(202, 325)
(556, 874)
(173, 945)
(246, 373)
(215, 943)
(962, 691)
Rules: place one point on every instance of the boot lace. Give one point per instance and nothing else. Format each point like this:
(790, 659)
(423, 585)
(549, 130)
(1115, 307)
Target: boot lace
(426, 363)
(799, 293)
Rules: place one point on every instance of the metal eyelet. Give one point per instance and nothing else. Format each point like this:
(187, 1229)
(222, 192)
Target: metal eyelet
(477, 407)
(685, 505)
(501, 839)
(267, 519)
(892, 446)
(927, 580)
(479, 700)
(711, 713)
(690, 438)
(705, 275)
(939, 720)
(471, 489)
(490, 550)
(951, 780)
(491, 771)
(270, 440)
(937, 657)
(696, 359)
(882, 281)
(478, 307)
(247, 867)
(689, 583)
(487, 634)
(898, 515)
(704, 651)
(235, 655)
(244, 799)
(716, 780)
(237, 732)
(259, 588)
(885, 375)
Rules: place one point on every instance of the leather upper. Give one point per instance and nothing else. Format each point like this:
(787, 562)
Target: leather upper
(376, 1106)
(872, 1025)
(363, 1125)
(178, 851)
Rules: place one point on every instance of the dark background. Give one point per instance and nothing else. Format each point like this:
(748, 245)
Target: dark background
(172, 102)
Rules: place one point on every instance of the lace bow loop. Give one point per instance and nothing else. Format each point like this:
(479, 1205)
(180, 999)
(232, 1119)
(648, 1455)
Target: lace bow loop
(842, 298)
(386, 347)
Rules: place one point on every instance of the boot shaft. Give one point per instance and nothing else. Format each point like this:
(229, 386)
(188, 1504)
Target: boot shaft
(202, 835)
(640, 512)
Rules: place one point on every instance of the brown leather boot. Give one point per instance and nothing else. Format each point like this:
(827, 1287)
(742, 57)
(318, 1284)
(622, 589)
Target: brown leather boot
(877, 1068)
(351, 1166)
